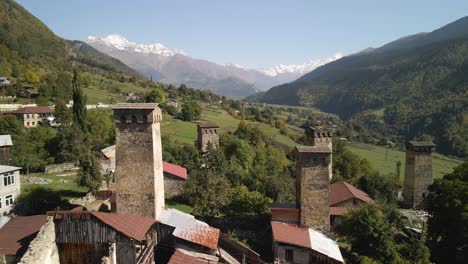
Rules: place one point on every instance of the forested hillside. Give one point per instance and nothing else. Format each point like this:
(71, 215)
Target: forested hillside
(419, 83)
(29, 50)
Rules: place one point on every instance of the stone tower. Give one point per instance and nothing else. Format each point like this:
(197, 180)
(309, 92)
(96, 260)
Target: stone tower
(313, 172)
(320, 137)
(418, 173)
(207, 134)
(139, 171)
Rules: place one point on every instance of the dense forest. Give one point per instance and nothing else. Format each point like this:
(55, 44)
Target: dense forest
(410, 90)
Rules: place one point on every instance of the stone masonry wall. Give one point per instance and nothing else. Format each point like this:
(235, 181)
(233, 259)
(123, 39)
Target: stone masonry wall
(208, 136)
(139, 171)
(313, 187)
(172, 185)
(418, 177)
(43, 250)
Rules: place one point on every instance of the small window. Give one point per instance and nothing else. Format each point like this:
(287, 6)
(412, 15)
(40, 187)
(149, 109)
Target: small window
(289, 255)
(134, 119)
(27, 123)
(9, 200)
(8, 179)
(122, 119)
(424, 195)
(0, 202)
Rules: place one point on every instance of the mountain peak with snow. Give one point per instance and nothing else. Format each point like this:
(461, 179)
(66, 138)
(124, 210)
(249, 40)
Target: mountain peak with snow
(118, 42)
(299, 68)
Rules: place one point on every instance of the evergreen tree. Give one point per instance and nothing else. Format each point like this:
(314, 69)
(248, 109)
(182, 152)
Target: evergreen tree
(79, 102)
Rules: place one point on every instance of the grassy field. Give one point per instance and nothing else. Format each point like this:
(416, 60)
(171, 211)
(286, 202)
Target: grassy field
(186, 132)
(384, 160)
(66, 185)
(170, 203)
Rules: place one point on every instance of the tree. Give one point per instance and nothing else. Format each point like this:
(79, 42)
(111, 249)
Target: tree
(369, 234)
(191, 111)
(156, 96)
(448, 221)
(100, 127)
(79, 102)
(378, 187)
(39, 200)
(89, 174)
(242, 202)
(207, 192)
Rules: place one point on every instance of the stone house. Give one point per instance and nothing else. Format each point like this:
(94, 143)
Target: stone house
(343, 197)
(295, 244)
(5, 145)
(172, 103)
(33, 116)
(10, 187)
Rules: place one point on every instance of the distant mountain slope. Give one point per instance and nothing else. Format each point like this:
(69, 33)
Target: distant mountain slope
(176, 66)
(414, 79)
(27, 45)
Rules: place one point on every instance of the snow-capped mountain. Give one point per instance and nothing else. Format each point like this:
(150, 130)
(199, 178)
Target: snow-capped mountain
(300, 69)
(121, 43)
(177, 67)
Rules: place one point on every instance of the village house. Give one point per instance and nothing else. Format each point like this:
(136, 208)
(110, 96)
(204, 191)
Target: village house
(5, 146)
(172, 103)
(344, 197)
(10, 187)
(295, 244)
(33, 116)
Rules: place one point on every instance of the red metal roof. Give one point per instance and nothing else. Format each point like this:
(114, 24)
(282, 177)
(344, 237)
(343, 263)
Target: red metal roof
(343, 191)
(34, 110)
(290, 234)
(132, 226)
(175, 170)
(19, 232)
(338, 210)
(181, 256)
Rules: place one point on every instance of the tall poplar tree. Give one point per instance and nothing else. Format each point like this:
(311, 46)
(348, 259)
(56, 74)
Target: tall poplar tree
(79, 102)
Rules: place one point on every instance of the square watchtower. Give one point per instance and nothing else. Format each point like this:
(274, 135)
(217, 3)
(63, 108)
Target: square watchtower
(139, 169)
(418, 173)
(208, 134)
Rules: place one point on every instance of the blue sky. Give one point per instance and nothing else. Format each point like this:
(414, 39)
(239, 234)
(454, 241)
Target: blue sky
(253, 33)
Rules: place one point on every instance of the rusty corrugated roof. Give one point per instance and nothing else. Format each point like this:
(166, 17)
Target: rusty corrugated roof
(181, 256)
(343, 191)
(189, 228)
(16, 235)
(132, 226)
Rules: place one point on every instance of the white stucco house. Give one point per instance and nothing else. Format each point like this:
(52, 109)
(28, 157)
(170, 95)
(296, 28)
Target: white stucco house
(10, 187)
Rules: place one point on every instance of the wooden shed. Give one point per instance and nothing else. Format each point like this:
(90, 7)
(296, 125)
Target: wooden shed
(90, 237)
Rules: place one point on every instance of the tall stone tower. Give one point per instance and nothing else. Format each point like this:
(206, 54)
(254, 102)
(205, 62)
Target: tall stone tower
(207, 134)
(313, 172)
(321, 137)
(139, 170)
(418, 173)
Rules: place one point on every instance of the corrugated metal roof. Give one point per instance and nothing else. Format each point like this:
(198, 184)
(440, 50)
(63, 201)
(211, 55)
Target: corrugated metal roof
(307, 238)
(189, 228)
(343, 191)
(325, 245)
(5, 141)
(182, 256)
(4, 168)
(175, 170)
(34, 110)
(16, 235)
(132, 226)
(109, 152)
